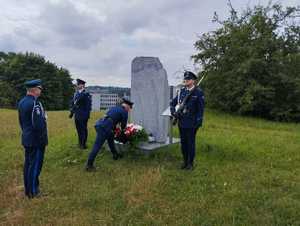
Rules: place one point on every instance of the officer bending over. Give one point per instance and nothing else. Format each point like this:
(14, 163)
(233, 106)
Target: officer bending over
(105, 130)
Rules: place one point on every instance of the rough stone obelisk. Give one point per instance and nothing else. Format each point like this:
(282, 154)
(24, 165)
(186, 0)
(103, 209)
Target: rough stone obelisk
(150, 94)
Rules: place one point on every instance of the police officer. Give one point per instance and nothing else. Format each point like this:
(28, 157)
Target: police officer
(81, 106)
(105, 130)
(191, 118)
(32, 119)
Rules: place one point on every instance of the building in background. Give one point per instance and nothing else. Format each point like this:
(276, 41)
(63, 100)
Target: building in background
(103, 101)
(108, 100)
(126, 96)
(95, 101)
(106, 97)
(109, 89)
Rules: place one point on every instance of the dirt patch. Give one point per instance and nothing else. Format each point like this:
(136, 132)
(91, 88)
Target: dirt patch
(142, 188)
(11, 198)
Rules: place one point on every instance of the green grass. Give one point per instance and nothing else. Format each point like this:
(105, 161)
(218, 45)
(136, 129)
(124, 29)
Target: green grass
(247, 173)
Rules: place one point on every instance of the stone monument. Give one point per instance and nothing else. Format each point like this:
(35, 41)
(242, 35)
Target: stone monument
(151, 95)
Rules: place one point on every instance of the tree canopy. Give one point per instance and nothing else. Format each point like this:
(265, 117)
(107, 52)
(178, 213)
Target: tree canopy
(252, 62)
(15, 69)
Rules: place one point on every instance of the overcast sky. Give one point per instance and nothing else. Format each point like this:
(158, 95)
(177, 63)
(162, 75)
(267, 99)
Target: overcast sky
(96, 40)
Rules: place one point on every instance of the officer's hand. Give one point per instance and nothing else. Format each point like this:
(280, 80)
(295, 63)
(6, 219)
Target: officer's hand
(175, 115)
(123, 137)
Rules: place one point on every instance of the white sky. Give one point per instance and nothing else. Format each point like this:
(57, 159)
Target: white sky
(96, 40)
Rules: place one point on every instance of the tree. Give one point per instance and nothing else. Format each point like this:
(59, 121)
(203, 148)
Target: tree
(15, 69)
(6, 94)
(252, 62)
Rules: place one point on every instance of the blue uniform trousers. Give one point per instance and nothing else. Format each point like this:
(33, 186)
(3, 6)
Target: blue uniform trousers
(188, 139)
(34, 157)
(102, 136)
(82, 131)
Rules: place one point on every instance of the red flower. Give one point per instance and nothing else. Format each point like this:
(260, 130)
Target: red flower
(117, 132)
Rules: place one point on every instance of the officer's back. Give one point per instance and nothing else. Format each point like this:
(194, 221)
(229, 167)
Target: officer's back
(114, 115)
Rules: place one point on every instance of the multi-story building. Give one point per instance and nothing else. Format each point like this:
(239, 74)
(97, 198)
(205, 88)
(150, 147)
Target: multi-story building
(102, 101)
(95, 101)
(108, 100)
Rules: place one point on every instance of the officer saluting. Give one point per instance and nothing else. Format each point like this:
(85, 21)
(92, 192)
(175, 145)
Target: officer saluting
(81, 107)
(105, 130)
(32, 118)
(191, 118)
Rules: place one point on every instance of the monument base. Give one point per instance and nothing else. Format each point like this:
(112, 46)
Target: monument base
(147, 146)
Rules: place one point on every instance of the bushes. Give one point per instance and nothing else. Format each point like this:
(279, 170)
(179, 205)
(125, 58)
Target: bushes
(252, 63)
(15, 69)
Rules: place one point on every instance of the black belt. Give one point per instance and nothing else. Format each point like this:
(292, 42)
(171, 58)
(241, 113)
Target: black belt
(109, 118)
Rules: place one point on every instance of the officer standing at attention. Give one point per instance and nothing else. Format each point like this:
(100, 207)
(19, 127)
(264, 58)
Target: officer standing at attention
(105, 130)
(81, 106)
(191, 118)
(32, 119)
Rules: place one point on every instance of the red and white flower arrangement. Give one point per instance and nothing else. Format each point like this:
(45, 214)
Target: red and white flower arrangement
(133, 134)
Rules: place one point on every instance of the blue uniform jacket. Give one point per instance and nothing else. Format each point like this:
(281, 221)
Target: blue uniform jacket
(32, 119)
(83, 101)
(114, 116)
(193, 114)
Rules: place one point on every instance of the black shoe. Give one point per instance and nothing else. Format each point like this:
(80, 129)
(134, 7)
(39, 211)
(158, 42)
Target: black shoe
(40, 195)
(90, 168)
(29, 196)
(83, 147)
(37, 195)
(189, 167)
(120, 155)
(117, 156)
(183, 166)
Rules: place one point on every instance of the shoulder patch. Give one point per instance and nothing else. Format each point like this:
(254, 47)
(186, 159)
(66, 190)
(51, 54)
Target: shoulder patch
(37, 110)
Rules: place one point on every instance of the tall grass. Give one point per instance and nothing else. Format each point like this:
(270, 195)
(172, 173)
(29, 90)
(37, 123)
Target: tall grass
(247, 173)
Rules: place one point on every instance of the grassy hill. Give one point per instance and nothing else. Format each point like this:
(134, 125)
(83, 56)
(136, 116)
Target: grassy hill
(247, 173)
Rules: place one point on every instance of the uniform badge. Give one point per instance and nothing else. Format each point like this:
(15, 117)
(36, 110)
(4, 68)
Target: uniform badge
(38, 111)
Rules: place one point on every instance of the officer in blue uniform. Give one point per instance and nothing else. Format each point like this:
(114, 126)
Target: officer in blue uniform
(32, 119)
(81, 106)
(191, 118)
(105, 130)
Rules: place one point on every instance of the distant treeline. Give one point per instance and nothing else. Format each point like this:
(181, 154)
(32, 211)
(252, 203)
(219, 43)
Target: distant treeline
(252, 63)
(16, 68)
